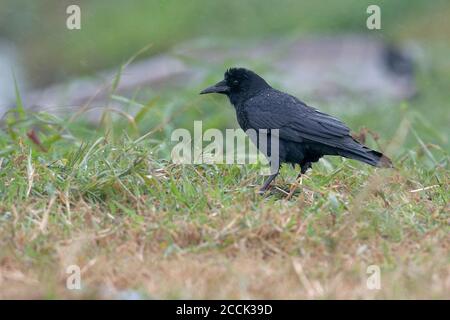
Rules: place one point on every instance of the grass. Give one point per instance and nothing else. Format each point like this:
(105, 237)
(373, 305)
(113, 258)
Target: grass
(108, 199)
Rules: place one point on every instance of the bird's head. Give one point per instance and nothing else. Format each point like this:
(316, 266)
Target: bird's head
(238, 82)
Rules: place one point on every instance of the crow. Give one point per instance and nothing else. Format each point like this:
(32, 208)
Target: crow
(305, 134)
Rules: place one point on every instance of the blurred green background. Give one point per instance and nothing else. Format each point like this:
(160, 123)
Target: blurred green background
(114, 30)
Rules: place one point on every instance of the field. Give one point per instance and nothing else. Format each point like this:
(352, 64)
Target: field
(108, 199)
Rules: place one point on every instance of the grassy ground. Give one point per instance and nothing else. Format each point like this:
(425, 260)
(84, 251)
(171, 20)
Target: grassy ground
(108, 199)
(114, 205)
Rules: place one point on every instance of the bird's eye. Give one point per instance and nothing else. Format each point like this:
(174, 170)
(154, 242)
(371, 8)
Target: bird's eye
(235, 82)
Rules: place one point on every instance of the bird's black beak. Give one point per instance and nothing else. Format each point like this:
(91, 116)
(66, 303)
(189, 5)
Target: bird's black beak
(219, 87)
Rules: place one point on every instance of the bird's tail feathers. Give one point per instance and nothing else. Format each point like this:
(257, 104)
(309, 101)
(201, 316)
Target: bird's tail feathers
(367, 155)
(381, 160)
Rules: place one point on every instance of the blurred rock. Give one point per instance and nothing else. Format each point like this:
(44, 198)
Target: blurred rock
(323, 68)
(319, 68)
(93, 93)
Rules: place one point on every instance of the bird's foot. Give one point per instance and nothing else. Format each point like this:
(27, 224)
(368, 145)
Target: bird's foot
(298, 181)
(266, 184)
(262, 191)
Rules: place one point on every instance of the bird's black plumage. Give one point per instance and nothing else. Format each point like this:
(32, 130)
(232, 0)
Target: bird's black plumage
(305, 133)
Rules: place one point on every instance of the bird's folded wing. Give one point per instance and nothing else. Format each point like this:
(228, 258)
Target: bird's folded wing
(299, 123)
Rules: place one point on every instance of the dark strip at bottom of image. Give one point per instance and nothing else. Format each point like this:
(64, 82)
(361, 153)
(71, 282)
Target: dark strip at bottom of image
(210, 309)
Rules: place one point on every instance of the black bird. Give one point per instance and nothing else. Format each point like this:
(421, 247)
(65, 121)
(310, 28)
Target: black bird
(305, 133)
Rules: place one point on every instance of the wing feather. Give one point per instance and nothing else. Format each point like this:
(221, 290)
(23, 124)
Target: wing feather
(296, 121)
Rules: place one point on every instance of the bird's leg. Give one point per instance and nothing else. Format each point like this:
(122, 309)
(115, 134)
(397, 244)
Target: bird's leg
(294, 186)
(304, 168)
(266, 184)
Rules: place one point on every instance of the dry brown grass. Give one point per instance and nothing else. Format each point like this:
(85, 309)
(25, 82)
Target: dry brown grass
(272, 252)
